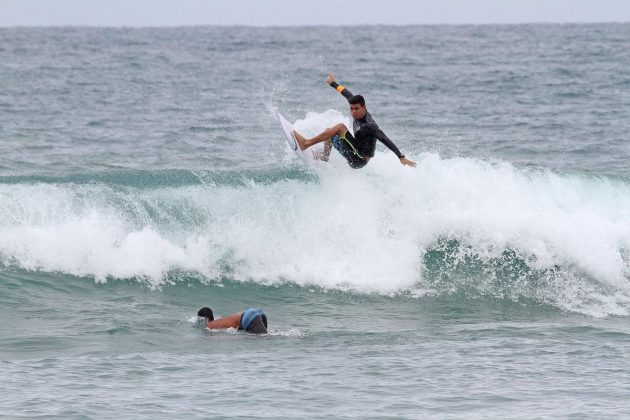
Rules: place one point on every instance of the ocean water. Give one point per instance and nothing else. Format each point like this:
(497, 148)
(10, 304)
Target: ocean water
(143, 175)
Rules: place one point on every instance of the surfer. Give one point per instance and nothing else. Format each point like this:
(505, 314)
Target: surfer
(252, 320)
(357, 149)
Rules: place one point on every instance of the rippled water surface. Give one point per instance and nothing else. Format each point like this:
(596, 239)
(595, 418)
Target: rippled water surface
(143, 175)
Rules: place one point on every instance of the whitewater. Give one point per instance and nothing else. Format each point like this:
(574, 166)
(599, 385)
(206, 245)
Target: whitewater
(339, 228)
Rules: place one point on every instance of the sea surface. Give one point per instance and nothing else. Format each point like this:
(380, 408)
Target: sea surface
(143, 175)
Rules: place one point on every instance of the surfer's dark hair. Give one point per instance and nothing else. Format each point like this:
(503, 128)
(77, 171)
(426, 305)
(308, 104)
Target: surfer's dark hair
(357, 100)
(207, 313)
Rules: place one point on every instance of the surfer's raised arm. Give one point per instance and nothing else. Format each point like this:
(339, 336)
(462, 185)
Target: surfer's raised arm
(339, 88)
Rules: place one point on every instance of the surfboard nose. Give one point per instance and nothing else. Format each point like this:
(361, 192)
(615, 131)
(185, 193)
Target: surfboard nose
(291, 140)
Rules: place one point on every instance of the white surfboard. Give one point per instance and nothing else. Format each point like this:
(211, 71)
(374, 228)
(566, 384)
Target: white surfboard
(305, 155)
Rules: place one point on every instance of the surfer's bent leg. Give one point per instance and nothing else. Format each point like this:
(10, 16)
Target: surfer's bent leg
(324, 155)
(327, 149)
(339, 129)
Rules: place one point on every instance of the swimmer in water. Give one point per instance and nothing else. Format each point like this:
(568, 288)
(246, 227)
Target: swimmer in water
(252, 320)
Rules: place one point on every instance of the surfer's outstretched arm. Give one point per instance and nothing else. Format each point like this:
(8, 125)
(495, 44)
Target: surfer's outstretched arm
(377, 133)
(339, 88)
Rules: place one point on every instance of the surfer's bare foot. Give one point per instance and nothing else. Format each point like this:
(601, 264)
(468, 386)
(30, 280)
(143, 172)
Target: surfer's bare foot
(301, 141)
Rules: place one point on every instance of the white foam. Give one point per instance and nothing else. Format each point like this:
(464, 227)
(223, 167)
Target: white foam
(363, 230)
(291, 332)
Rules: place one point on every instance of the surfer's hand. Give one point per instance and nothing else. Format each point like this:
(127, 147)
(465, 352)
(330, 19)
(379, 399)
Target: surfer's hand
(330, 78)
(407, 162)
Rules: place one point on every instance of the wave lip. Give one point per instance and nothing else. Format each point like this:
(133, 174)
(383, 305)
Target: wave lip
(379, 230)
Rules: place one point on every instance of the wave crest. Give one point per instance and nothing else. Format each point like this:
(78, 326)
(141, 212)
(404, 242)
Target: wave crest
(460, 225)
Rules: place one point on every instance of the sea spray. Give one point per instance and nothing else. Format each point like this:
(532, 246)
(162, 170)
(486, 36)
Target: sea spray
(375, 230)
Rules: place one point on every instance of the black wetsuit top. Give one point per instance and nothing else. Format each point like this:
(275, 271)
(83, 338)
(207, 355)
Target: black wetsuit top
(366, 131)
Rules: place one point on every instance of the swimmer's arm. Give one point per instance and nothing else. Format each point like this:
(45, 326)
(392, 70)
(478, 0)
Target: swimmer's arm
(339, 88)
(230, 321)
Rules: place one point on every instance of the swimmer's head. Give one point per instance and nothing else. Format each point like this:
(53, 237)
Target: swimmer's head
(206, 313)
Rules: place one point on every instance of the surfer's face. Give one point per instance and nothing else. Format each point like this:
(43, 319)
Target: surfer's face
(357, 111)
